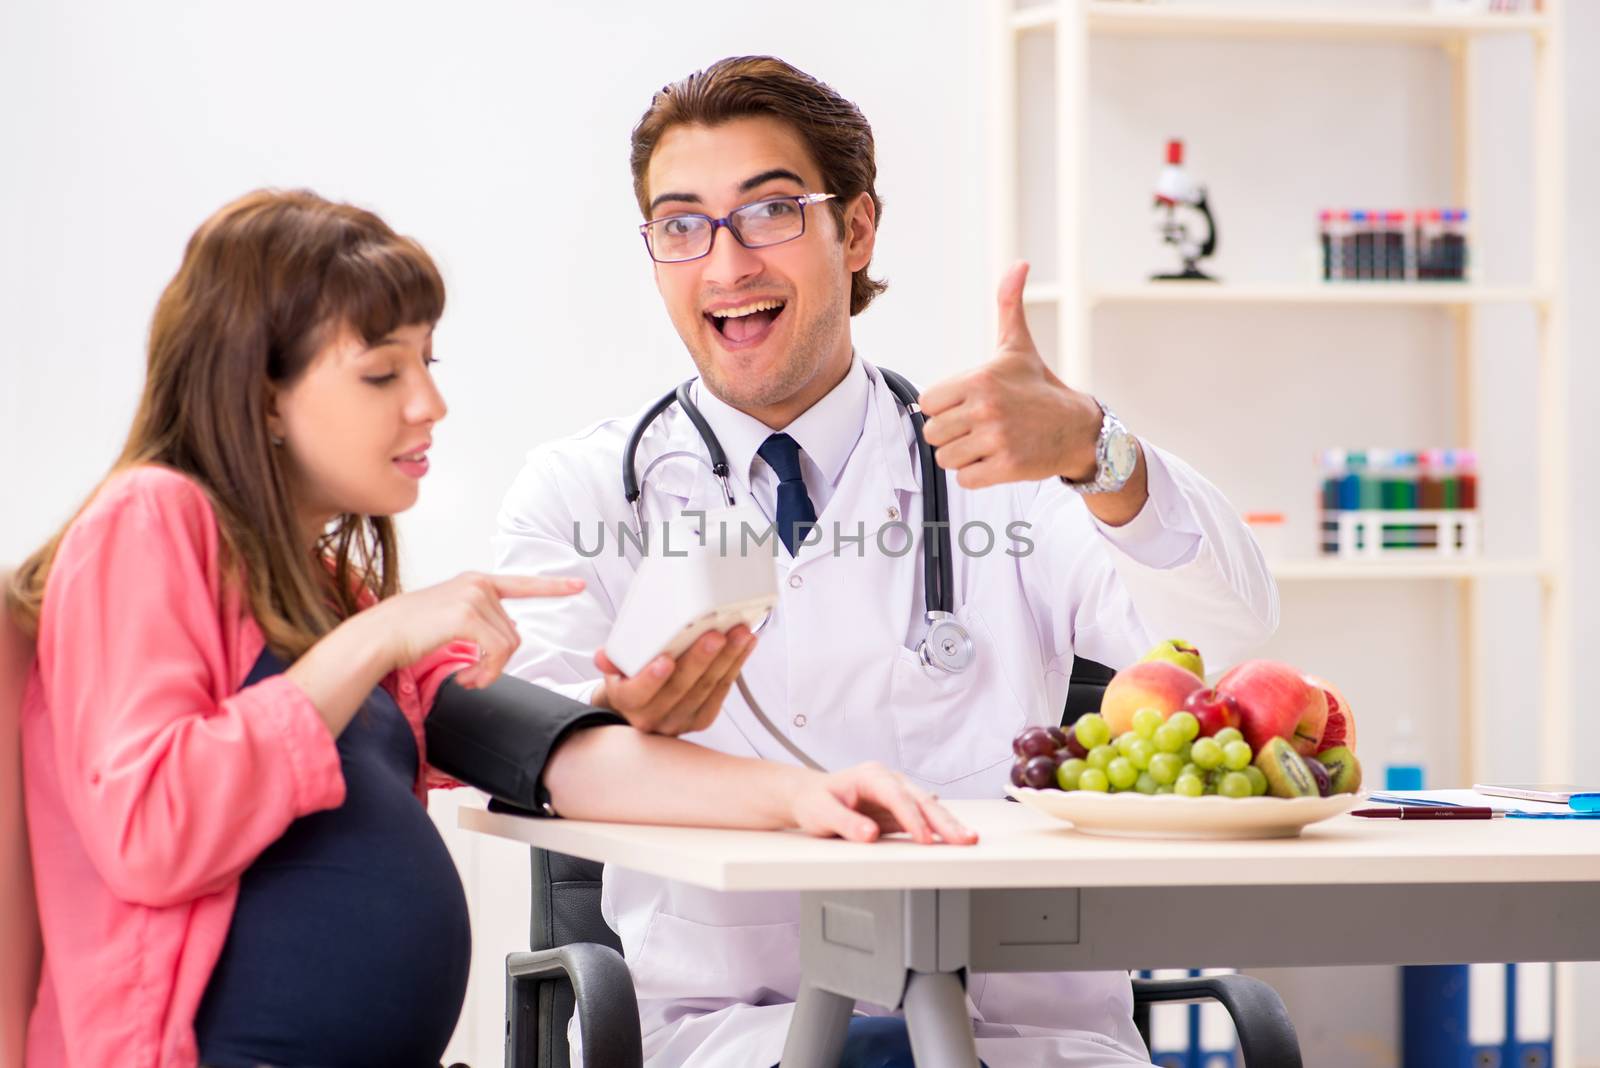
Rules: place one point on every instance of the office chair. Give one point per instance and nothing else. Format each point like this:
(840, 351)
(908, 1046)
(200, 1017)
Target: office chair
(576, 964)
(19, 917)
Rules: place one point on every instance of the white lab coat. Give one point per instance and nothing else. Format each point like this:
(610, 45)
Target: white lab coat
(716, 973)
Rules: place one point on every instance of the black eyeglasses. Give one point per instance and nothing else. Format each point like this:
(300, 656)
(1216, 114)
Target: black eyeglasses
(678, 238)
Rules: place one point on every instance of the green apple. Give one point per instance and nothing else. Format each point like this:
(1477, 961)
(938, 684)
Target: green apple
(1177, 651)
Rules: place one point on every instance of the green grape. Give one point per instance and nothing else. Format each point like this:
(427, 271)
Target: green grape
(1191, 768)
(1145, 784)
(1094, 780)
(1258, 780)
(1207, 753)
(1140, 752)
(1228, 734)
(1234, 784)
(1121, 773)
(1236, 756)
(1164, 768)
(1091, 730)
(1168, 738)
(1189, 786)
(1145, 722)
(1125, 742)
(1186, 754)
(1164, 789)
(1098, 758)
(1186, 724)
(1068, 771)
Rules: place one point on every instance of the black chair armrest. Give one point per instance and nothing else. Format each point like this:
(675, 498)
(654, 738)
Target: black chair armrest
(608, 1011)
(1266, 1034)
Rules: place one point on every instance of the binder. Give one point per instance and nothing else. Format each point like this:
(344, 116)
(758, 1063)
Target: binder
(1488, 990)
(1434, 1011)
(1172, 1027)
(1530, 1010)
(1478, 1016)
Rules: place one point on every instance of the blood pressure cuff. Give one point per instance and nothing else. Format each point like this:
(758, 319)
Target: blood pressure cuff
(500, 738)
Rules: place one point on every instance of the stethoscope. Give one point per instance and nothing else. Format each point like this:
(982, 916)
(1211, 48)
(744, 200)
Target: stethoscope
(947, 645)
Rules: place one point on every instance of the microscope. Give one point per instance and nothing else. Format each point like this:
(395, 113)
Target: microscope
(1180, 201)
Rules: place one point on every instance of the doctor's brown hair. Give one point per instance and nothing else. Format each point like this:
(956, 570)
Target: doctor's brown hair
(264, 284)
(833, 129)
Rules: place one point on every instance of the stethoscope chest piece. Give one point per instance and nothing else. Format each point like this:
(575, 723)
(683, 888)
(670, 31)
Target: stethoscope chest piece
(948, 645)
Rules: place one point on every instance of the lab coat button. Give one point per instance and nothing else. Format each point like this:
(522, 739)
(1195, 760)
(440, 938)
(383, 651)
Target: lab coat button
(894, 513)
(795, 582)
(800, 719)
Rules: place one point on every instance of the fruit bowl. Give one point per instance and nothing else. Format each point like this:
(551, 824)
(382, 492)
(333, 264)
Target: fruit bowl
(1136, 815)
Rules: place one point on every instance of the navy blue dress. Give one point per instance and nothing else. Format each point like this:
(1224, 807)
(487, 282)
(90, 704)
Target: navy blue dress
(350, 942)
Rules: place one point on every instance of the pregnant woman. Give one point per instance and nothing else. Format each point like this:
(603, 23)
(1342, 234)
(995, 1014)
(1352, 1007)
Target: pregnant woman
(223, 732)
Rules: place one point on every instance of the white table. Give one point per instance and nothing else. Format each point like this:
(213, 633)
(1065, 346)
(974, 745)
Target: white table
(897, 924)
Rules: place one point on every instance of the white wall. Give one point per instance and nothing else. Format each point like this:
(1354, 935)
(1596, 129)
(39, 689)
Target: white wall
(496, 133)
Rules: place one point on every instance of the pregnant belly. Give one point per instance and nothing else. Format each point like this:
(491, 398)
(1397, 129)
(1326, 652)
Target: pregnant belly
(349, 944)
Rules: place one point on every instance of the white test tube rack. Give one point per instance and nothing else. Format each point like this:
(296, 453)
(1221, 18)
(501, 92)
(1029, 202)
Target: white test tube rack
(1384, 534)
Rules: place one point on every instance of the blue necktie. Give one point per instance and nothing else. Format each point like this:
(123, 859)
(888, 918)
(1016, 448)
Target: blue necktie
(794, 504)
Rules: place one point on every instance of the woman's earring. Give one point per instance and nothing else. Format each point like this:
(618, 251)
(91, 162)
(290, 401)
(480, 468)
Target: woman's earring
(276, 440)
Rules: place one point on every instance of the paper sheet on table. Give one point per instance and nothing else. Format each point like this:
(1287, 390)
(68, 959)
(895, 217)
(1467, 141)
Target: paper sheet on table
(1462, 797)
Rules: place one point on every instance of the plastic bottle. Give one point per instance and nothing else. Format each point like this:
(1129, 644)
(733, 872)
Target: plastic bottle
(1363, 238)
(1466, 465)
(1355, 470)
(1334, 468)
(1394, 246)
(1430, 479)
(1453, 242)
(1450, 495)
(1430, 225)
(1325, 239)
(1379, 464)
(1400, 482)
(1344, 247)
(1404, 769)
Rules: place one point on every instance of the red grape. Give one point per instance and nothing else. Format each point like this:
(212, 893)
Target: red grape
(1039, 772)
(1016, 773)
(1319, 772)
(1033, 742)
(1074, 747)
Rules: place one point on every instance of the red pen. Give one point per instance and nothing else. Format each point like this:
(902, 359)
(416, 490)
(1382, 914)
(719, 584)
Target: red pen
(1428, 812)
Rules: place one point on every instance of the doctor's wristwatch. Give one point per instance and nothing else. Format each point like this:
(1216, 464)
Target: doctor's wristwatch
(1116, 456)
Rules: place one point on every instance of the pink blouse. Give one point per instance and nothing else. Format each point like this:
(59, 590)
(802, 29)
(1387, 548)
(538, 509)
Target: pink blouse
(152, 780)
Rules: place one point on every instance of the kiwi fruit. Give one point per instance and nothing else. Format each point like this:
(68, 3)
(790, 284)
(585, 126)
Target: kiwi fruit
(1286, 771)
(1344, 770)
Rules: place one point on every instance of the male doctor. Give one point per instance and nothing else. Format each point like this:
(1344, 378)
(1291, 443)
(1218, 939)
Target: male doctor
(757, 186)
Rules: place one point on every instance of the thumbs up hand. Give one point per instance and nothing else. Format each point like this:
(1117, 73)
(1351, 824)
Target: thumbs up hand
(1011, 420)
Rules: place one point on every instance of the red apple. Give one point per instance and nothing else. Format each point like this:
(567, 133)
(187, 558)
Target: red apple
(1157, 684)
(1214, 711)
(1276, 702)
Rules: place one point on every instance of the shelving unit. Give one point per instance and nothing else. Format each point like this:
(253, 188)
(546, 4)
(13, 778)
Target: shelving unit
(1075, 298)
(1385, 571)
(1435, 294)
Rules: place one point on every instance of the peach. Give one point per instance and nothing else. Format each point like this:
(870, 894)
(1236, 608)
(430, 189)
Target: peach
(1158, 684)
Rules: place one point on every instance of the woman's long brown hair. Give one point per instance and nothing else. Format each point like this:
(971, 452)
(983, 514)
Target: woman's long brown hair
(263, 284)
